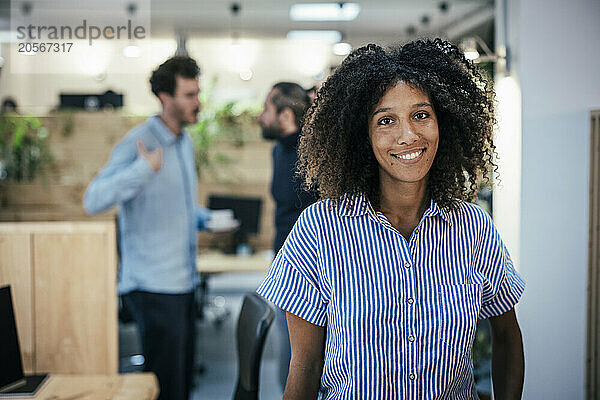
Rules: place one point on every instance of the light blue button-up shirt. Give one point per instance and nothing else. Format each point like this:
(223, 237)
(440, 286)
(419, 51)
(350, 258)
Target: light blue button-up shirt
(400, 314)
(158, 215)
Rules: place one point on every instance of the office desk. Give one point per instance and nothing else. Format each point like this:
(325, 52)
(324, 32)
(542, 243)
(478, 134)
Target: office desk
(98, 387)
(214, 262)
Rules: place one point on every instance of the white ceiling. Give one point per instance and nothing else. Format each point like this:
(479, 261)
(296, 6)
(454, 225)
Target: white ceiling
(270, 18)
(378, 19)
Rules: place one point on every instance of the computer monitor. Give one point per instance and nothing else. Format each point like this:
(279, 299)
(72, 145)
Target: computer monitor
(90, 101)
(247, 210)
(11, 367)
(12, 379)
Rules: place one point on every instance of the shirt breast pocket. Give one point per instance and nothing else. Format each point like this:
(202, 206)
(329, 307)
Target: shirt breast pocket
(459, 309)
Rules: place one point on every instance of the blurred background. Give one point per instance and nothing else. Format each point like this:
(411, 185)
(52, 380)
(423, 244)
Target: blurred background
(73, 106)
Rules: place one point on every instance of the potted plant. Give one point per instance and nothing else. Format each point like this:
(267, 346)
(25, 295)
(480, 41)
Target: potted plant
(24, 151)
(225, 122)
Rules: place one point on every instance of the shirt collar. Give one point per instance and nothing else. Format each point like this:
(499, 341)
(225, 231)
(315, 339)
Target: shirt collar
(357, 205)
(434, 210)
(290, 140)
(354, 206)
(162, 133)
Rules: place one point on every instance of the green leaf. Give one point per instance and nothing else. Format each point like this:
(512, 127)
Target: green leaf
(18, 135)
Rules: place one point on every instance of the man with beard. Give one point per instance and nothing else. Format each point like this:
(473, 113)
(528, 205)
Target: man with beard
(281, 120)
(151, 176)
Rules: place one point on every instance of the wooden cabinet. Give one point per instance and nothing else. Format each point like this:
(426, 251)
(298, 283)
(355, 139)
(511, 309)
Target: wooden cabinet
(63, 276)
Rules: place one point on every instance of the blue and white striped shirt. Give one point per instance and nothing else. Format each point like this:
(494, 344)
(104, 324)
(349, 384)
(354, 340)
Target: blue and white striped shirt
(400, 315)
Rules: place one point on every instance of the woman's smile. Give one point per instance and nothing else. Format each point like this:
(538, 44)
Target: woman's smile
(404, 134)
(409, 157)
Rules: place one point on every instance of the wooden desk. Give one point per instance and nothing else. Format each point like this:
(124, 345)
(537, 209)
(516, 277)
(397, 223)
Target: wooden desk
(213, 262)
(98, 387)
(63, 277)
(210, 263)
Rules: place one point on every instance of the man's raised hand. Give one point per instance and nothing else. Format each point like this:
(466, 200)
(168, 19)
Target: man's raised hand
(154, 158)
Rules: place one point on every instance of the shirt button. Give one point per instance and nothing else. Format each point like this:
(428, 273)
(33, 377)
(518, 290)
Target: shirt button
(416, 230)
(410, 300)
(407, 265)
(411, 377)
(411, 338)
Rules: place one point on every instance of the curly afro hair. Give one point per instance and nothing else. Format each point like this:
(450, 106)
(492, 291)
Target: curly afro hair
(335, 155)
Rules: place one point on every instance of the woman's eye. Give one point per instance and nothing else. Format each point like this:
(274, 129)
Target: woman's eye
(421, 115)
(385, 121)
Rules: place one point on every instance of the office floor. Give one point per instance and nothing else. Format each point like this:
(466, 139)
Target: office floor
(216, 351)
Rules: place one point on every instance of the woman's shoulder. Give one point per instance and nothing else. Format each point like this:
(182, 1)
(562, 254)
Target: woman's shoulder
(320, 209)
(323, 211)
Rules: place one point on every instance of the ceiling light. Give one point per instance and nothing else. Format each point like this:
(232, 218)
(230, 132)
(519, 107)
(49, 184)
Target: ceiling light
(246, 75)
(470, 45)
(315, 36)
(471, 54)
(324, 12)
(469, 48)
(342, 49)
(132, 51)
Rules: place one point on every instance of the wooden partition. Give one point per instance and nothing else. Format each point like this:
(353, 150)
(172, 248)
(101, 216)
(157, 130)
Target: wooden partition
(81, 143)
(63, 278)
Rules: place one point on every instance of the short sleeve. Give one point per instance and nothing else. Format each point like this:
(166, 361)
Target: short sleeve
(502, 285)
(293, 280)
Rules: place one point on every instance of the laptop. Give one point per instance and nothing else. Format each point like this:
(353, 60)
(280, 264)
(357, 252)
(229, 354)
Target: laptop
(12, 380)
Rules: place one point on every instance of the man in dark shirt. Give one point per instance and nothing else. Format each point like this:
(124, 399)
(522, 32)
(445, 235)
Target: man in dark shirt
(281, 120)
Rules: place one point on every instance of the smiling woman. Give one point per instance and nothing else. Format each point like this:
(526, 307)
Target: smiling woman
(383, 281)
(340, 159)
(404, 134)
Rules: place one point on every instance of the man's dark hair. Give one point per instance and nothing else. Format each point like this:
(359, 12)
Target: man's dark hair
(163, 77)
(291, 95)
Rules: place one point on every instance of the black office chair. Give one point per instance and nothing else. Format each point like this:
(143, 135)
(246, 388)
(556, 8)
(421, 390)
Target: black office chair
(254, 322)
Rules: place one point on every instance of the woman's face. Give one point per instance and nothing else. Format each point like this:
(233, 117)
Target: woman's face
(404, 135)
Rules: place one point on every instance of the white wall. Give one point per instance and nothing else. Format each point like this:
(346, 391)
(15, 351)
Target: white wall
(507, 191)
(37, 92)
(556, 57)
(271, 60)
